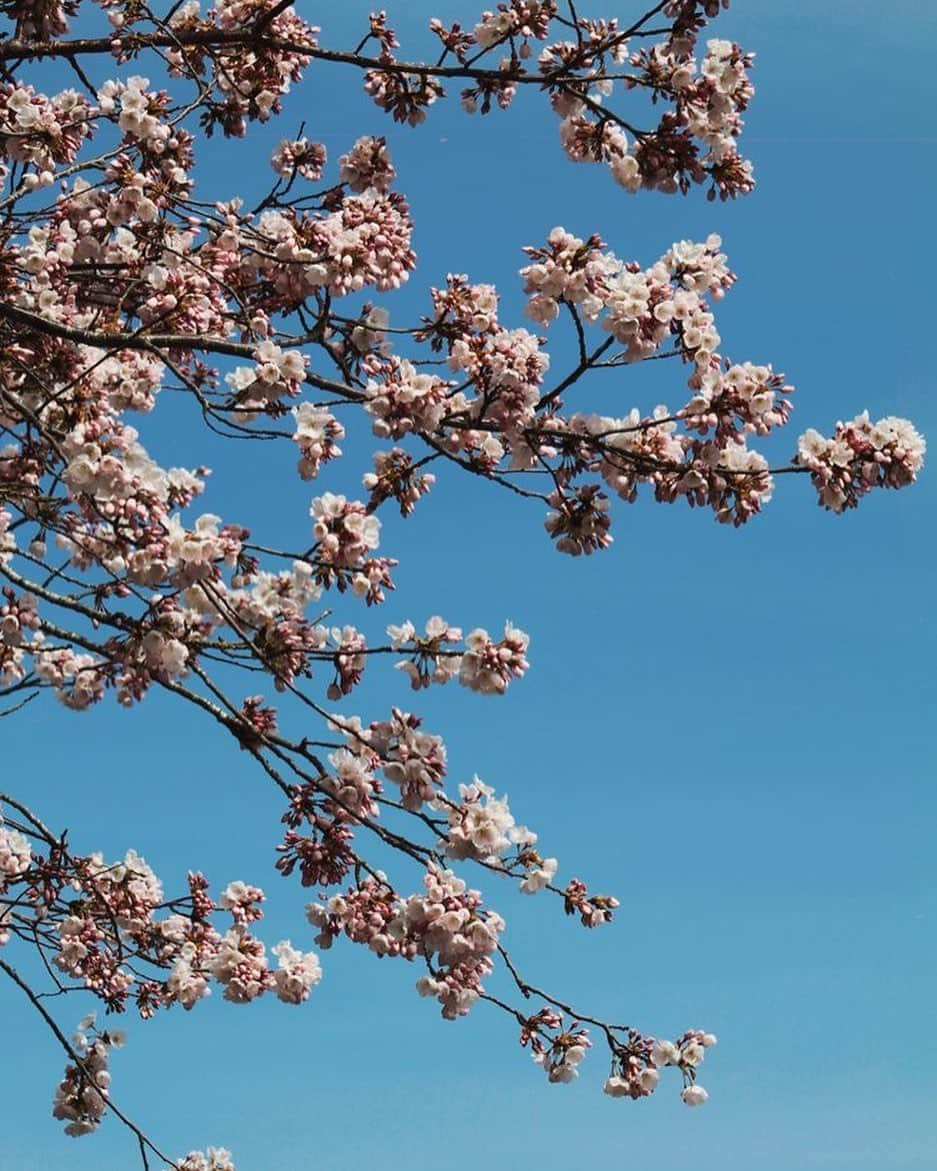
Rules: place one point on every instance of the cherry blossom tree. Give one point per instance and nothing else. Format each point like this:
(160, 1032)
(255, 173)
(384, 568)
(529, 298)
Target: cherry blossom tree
(124, 279)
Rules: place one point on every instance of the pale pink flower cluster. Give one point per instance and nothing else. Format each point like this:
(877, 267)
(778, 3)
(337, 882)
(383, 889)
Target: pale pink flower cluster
(286, 642)
(251, 80)
(15, 855)
(506, 367)
(243, 901)
(453, 933)
(345, 532)
(395, 476)
(636, 1067)
(406, 96)
(41, 132)
(367, 165)
(19, 621)
(317, 434)
(734, 481)
(213, 1159)
(585, 140)
(186, 984)
(111, 930)
(641, 308)
(563, 1055)
(162, 654)
(369, 336)
(571, 270)
(194, 554)
(39, 20)
(860, 456)
(297, 972)
(634, 450)
(278, 595)
(140, 113)
(129, 379)
(514, 18)
(579, 522)
(487, 666)
(461, 308)
(410, 758)
(540, 872)
(481, 825)
(405, 400)
(239, 963)
(277, 374)
(81, 1096)
(365, 242)
(742, 399)
(445, 926)
(687, 1051)
(78, 678)
(433, 658)
(353, 784)
(712, 107)
(299, 156)
(633, 1081)
(113, 468)
(696, 137)
(367, 913)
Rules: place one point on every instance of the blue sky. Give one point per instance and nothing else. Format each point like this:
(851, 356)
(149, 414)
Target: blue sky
(732, 731)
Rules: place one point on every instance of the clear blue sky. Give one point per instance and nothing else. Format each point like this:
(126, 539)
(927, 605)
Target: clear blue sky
(733, 731)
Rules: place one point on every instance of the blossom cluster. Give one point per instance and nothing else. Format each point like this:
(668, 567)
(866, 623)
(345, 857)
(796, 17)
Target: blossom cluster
(483, 665)
(860, 456)
(445, 926)
(636, 1066)
(250, 79)
(81, 1096)
(109, 928)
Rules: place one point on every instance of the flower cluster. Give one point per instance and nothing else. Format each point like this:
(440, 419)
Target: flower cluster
(366, 242)
(250, 78)
(570, 271)
(518, 18)
(300, 157)
(395, 477)
(433, 657)
(410, 758)
(41, 132)
(559, 1051)
(15, 855)
(405, 400)
(214, 1159)
(445, 926)
(367, 165)
(277, 374)
(860, 456)
(317, 434)
(487, 666)
(344, 530)
(81, 1096)
(481, 825)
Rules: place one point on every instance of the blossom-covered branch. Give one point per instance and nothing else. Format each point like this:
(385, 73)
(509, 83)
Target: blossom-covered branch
(121, 281)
